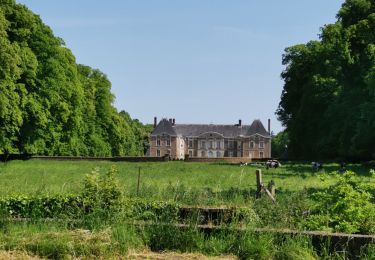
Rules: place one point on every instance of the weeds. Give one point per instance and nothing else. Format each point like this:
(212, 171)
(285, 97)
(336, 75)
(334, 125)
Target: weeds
(103, 220)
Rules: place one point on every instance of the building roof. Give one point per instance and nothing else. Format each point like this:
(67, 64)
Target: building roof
(194, 130)
(164, 127)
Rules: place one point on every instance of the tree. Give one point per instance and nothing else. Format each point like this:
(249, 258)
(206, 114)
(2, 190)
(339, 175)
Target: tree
(51, 105)
(327, 100)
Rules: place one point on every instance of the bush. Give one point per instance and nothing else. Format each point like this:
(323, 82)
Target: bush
(345, 207)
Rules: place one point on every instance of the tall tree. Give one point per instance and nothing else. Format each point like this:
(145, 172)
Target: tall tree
(327, 100)
(49, 104)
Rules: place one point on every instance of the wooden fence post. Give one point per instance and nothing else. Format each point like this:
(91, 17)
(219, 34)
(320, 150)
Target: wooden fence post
(139, 178)
(272, 188)
(258, 173)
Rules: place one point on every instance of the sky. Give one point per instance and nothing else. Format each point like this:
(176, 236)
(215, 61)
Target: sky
(198, 61)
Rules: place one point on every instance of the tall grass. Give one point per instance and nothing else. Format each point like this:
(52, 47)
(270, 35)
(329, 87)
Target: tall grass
(104, 231)
(188, 183)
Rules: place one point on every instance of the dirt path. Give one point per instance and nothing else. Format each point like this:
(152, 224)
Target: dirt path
(175, 256)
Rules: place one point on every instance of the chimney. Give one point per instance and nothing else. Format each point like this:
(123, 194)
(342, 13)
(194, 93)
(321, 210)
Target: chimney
(240, 122)
(173, 121)
(269, 126)
(170, 120)
(155, 121)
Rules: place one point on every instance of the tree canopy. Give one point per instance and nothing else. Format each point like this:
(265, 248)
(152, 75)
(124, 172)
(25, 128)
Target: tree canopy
(51, 105)
(328, 100)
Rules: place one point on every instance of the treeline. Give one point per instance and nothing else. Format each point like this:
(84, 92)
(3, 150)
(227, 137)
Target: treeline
(328, 100)
(49, 105)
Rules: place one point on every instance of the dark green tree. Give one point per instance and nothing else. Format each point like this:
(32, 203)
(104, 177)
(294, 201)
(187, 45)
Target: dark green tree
(51, 105)
(327, 104)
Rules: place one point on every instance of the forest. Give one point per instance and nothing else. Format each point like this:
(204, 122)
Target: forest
(328, 100)
(49, 104)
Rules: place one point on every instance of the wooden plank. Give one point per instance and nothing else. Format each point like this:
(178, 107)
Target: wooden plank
(258, 174)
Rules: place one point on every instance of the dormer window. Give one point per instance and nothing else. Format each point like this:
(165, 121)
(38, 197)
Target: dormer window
(168, 141)
(158, 141)
(261, 144)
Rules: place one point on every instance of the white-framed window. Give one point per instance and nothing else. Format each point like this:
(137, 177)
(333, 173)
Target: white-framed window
(210, 154)
(210, 144)
(158, 141)
(158, 153)
(203, 154)
(261, 155)
(218, 144)
(168, 141)
(261, 144)
(203, 144)
(218, 154)
(190, 153)
(252, 144)
(190, 143)
(231, 144)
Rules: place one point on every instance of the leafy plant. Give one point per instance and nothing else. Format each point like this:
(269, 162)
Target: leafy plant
(345, 206)
(102, 191)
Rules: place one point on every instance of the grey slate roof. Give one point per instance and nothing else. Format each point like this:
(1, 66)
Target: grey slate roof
(228, 131)
(164, 127)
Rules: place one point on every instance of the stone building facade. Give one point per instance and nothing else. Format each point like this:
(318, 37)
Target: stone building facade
(210, 141)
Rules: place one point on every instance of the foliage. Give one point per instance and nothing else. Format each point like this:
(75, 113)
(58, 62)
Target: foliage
(102, 192)
(327, 103)
(345, 207)
(279, 145)
(50, 105)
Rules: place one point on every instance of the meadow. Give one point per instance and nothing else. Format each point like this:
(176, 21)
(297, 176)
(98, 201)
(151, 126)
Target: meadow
(191, 183)
(92, 209)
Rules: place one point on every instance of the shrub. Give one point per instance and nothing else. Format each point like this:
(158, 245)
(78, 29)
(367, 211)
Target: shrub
(102, 192)
(345, 207)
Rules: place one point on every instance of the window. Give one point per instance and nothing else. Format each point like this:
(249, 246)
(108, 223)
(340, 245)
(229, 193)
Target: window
(203, 144)
(231, 144)
(230, 154)
(261, 144)
(190, 143)
(158, 153)
(168, 142)
(218, 154)
(158, 141)
(218, 145)
(203, 154)
(190, 153)
(210, 154)
(252, 145)
(260, 155)
(210, 144)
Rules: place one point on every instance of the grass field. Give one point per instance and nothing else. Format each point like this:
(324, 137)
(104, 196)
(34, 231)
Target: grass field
(106, 233)
(190, 183)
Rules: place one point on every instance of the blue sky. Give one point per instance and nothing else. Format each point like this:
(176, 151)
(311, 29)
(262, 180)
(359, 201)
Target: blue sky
(199, 61)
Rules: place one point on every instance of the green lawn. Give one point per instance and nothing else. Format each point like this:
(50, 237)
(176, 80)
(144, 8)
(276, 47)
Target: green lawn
(192, 183)
(96, 236)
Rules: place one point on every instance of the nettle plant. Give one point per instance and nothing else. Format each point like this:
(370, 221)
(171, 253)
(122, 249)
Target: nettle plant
(344, 207)
(101, 191)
